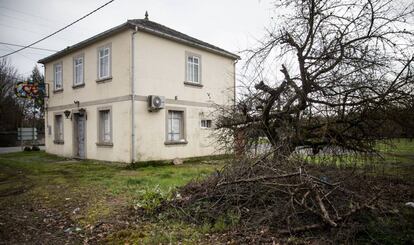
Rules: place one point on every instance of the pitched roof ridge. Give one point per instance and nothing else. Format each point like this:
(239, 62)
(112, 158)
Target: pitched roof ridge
(152, 27)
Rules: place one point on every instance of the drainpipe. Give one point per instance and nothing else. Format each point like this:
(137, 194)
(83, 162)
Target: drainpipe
(133, 94)
(234, 82)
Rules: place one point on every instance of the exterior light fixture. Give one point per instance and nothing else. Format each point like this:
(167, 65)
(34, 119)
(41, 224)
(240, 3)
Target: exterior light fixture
(67, 114)
(82, 111)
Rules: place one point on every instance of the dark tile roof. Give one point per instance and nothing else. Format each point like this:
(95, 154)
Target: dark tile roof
(145, 26)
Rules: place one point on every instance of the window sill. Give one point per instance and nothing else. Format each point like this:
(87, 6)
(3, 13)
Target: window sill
(105, 144)
(58, 91)
(193, 84)
(58, 142)
(104, 80)
(175, 142)
(78, 86)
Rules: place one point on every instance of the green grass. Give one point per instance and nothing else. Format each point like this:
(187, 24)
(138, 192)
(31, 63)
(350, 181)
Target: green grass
(117, 179)
(101, 189)
(402, 146)
(391, 157)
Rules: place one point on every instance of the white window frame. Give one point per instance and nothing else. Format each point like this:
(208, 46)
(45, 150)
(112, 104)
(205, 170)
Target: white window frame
(208, 123)
(81, 67)
(170, 113)
(58, 76)
(190, 68)
(109, 64)
(101, 127)
(58, 128)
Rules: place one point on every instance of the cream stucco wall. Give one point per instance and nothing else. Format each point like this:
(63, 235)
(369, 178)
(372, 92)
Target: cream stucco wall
(121, 136)
(151, 134)
(119, 85)
(114, 92)
(159, 70)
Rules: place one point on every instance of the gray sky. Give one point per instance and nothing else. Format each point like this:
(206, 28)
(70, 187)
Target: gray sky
(229, 24)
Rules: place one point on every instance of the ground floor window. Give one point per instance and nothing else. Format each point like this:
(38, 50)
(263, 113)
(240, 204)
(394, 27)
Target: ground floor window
(175, 126)
(205, 123)
(104, 126)
(58, 129)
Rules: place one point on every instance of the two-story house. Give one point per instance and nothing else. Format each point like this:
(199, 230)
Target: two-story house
(139, 91)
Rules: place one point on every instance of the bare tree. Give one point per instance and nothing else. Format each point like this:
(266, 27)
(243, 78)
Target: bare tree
(11, 112)
(346, 66)
(14, 111)
(347, 81)
(7, 75)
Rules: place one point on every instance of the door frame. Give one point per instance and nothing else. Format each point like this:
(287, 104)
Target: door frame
(75, 145)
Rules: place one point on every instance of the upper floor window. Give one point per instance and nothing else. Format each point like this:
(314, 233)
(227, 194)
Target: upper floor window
(78, 65)
(193, 69)
(57, 77)
(104, 62)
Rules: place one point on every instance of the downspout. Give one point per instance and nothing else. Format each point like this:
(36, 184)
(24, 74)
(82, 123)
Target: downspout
(234, 77)
(133, 94)
(45, 105)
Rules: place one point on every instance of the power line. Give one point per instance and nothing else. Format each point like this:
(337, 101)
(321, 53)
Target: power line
(17, 45)
(20, 28)
(30, 14)
(45, 21)
(61, 29)
(24, 20)
(21, 54)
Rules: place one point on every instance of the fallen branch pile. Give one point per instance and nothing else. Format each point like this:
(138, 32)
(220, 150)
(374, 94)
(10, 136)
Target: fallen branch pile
(286, 196)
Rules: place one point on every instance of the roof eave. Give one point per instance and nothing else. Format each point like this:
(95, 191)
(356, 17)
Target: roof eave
(125, 26)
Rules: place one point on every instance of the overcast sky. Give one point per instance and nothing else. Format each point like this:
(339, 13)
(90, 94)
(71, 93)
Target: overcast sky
(229, 24)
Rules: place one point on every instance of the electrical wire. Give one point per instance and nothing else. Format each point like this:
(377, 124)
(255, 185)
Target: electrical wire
(17, 45)
(21, 54)
(61, 29)
(31, 14)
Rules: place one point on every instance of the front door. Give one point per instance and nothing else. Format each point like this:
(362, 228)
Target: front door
(79, 135)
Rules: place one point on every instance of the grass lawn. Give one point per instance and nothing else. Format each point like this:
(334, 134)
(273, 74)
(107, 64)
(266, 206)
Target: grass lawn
(395, 158)
(73, 197)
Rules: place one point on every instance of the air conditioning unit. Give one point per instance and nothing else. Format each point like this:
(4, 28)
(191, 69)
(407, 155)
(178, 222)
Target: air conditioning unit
(155, 102)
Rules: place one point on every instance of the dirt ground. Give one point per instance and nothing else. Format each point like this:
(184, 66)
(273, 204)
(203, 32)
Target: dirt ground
(27, 217)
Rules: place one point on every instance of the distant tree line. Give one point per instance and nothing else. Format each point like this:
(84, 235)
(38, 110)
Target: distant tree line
(17, 112)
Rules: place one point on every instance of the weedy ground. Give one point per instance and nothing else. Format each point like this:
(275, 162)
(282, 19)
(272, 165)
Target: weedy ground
(51, 200)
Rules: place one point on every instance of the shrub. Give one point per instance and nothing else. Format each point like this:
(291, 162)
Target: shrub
(35, 148)
(151, 198)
